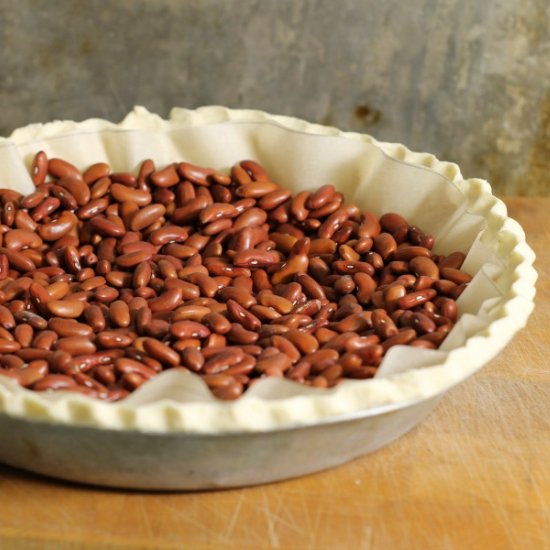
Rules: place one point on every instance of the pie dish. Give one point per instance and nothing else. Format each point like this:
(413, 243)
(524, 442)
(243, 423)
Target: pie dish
(173, 420)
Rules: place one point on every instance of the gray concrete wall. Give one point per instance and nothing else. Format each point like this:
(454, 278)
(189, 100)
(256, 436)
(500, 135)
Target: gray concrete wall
(465, 79)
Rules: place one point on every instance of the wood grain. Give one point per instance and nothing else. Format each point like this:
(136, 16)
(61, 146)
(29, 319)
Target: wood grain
(475, 474)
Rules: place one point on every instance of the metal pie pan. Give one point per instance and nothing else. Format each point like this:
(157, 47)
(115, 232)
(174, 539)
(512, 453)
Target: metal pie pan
(179, 461)
(52, 439)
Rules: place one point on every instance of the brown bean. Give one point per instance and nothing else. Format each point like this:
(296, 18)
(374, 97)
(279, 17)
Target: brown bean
(403, 337)
(322, 196)
(424, 266)
(108, 225)
(194, 174)
(69, 309)
(145, 170)
(94, 316)
(75, 345)
(32, 373)
(105, 294)
(60, 168)
(54, 382)
(336, 220)
(383, 324)
(206, 284)
(135, 258)
(278, 303)
(284, 345)
(162, 352)
(17, 260)
(43, 210)
(142, 275)
(76, 187)
(305, 343)
(128, 367)
(111, 339)
(298, 205)
(448, 308)
(240, 295)
(69, 327)
(17, 288)
(253, 217)
(223, 360)
(239, 335)
(35, 320)
(121, 193)
(65, 197)
(423, 282)
(190, 313)
(241, 315)
(71, 258)
(45, 339)
(296, 264)
(408, 253)
(189, 329)
(310, 286)
(422, 324)
(322, 246)
(92, 208)
(217, 211)
(39, 168)
(453, 260)
(455, 275)
(274, 199)
(279, 361)
(167, 177)
(118, 279)
(325, 210)
(9, 346)
(385, 245)
(100, 188)
(147, 216)
(39, 296)
(24, 335)
(167, 301)
(96, 171)
(17, 239)
(217, 323)
(192, 359)
(57, 228)
(256, 190)
(350, 267)
(414, 299)
(119, 313)
(255, 170)
(24, 221)
(189, 213)
(391, 222)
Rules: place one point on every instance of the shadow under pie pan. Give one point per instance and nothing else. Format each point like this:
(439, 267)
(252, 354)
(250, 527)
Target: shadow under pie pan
(172, 434)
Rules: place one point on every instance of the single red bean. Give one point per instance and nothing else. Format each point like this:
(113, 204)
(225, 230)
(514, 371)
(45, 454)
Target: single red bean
(39, 168)
(54, 382)
(162, 352)
(189, 329)
(75, 345)
(70, 309)
(60, 168)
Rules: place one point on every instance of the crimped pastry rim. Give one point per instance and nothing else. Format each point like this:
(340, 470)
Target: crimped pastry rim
(250, 414)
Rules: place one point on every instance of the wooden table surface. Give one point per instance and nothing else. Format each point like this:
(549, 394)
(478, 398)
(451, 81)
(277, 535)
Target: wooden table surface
(474, 475)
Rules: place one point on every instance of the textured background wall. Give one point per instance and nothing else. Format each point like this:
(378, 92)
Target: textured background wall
(466, 80)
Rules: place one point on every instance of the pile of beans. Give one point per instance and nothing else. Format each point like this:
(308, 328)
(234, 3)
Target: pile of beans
(107, 279)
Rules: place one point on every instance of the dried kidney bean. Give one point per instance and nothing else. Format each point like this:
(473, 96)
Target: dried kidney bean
(107, 278)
